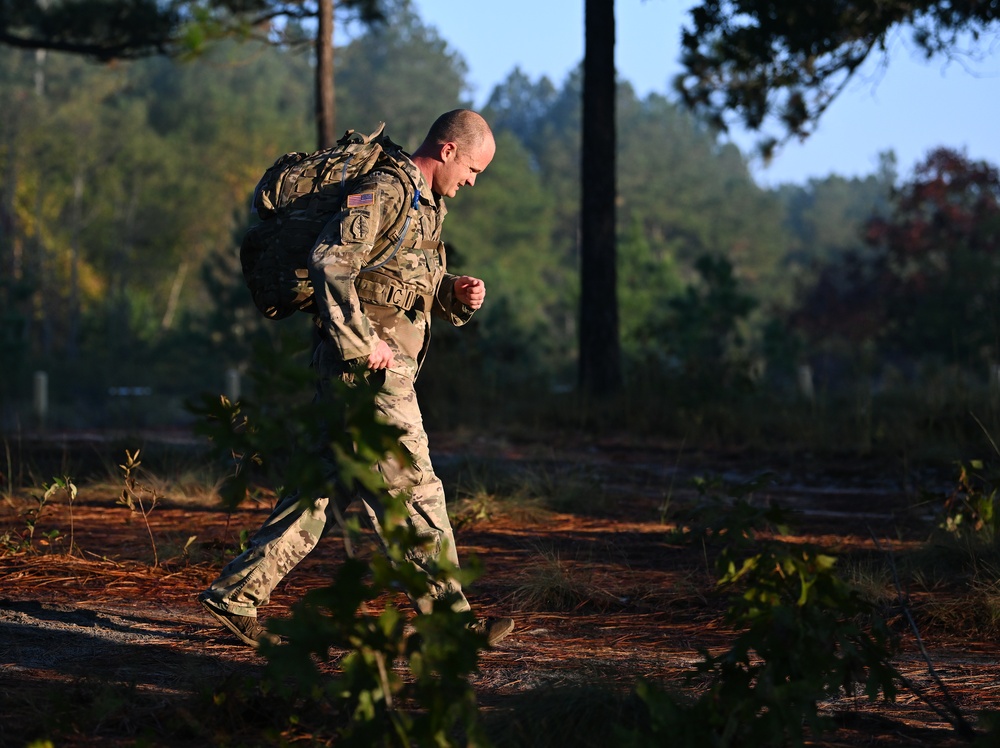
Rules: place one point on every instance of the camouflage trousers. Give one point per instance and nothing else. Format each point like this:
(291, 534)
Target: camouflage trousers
(294, 528)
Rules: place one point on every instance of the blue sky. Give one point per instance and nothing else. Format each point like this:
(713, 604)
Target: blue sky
(910, 107)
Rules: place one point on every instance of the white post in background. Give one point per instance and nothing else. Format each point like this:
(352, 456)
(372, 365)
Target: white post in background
(233, 384)
(805, 373)
(41, 398)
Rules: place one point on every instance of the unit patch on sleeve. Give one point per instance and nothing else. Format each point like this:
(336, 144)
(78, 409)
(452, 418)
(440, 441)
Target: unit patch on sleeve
(361, 200)
(360, 228)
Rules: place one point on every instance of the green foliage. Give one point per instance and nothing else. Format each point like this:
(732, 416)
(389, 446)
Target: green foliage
(692, 196)
(67, 488)
(380, 706)
(110, 30)
(771, 64)
(145, 284)
(106, 283)
(500, 225)
(826, 217)
(89, 157)
(705, 326)
(804, 635)
(924, 288)
(940, 254)
(323, 448)
(989, 730)
(133, 491)
(283, 436)
(401, 73)
(19, 541)
(971, 509)
(104, 29)
(707, 320)
(646, 278)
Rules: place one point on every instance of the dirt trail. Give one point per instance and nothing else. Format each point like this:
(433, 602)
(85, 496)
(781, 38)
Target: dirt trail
(105, 615)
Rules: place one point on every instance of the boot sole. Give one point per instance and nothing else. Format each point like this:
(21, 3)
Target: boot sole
(500, 634)
(228, 624)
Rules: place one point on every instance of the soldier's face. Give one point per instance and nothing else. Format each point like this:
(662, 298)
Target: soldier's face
(461, 166)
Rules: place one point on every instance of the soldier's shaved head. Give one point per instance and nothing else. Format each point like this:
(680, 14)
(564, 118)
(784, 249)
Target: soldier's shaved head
(463, 127)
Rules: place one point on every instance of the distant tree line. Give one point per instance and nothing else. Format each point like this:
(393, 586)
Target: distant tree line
(124, 192)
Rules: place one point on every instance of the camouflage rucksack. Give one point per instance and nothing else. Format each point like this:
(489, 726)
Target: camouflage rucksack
(295, 199)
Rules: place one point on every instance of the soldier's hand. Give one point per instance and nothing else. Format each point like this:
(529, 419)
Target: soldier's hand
(381, 357)
(470, 291)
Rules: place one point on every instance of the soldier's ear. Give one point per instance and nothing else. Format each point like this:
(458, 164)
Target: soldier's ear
(448, 151)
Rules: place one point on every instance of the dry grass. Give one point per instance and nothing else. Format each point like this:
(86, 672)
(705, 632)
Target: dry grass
(551, 583)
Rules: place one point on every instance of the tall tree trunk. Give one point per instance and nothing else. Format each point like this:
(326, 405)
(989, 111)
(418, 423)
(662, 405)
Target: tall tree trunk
(600, 351)
(40, 55)
(73, 329)
(12, 267)
(326, 113)
(119, 327)
(174, 297)
(45, 290)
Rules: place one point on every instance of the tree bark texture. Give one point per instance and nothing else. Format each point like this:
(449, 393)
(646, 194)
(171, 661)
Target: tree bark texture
(326, 113)
(600, 351)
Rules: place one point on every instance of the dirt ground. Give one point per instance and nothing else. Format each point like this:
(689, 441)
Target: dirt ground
(101, 648)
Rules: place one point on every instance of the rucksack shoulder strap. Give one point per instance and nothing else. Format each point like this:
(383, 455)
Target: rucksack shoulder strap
(395, 160)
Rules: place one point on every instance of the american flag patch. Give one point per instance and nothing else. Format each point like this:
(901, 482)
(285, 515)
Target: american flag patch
(358, 201)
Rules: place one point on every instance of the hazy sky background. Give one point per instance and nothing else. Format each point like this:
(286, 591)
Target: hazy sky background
(911, 107)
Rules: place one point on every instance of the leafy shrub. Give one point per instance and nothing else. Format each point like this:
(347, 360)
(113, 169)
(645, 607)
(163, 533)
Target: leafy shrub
(804, 635)
(971, 510)
(21, 540)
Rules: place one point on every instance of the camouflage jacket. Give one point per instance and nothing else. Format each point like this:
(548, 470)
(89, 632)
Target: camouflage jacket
(393, 302)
